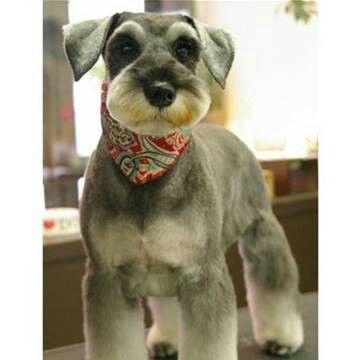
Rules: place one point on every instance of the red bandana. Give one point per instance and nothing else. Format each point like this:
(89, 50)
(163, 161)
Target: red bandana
(141, 158)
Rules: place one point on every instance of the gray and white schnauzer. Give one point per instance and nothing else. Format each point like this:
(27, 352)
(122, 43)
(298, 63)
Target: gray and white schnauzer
(164, 198)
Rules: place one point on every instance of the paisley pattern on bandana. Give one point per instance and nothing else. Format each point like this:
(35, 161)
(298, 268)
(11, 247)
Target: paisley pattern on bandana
(141, 158)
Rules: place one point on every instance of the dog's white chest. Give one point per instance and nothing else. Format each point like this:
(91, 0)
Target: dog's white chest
(148, 260)
(165, 241)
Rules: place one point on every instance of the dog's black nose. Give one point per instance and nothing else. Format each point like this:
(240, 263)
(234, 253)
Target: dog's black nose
(160, 94)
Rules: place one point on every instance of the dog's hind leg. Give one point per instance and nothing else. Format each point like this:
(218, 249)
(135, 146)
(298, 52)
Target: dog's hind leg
(271, 279)
(114, 328)
(208, 315)
(162, 337)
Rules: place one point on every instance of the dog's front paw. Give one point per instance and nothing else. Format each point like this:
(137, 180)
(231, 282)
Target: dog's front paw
(162, 350)
(276, 349)
(161, 345)
(281, 338)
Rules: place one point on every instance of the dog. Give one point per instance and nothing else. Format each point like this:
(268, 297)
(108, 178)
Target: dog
(164, 197)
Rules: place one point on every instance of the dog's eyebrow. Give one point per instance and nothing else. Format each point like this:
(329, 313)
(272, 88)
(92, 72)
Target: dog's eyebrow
(181, 29)
(132, 28)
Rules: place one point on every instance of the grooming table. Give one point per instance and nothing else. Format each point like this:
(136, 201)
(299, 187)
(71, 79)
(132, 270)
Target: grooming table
(248, 350)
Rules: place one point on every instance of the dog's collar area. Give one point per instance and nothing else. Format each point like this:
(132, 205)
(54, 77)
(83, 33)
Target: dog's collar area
(141, 158)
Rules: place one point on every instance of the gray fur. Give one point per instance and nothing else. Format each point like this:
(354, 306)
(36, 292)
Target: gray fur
(167, 238)
(85, 41)
(106, 307)
(218, 51)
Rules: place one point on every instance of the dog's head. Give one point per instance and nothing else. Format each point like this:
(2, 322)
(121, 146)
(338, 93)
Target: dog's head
(151, 64)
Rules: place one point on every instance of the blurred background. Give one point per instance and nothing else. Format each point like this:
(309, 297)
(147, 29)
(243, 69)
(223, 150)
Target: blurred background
(270, 102)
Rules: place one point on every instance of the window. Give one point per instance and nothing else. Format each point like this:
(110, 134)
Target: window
(272, 84)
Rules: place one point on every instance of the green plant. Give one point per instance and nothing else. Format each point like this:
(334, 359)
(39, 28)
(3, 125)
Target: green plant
(301, 10)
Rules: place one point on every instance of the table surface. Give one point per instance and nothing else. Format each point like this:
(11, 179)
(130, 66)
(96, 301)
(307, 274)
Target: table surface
(248, 350)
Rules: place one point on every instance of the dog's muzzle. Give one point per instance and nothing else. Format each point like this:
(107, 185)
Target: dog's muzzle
(160, 93)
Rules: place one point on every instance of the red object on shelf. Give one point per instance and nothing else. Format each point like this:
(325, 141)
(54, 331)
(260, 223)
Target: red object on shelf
(48, 224)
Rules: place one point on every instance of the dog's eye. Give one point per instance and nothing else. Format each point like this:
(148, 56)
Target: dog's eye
(124, 47)
(128, 47)
(185, 49)
(182, 51)
(121, 51)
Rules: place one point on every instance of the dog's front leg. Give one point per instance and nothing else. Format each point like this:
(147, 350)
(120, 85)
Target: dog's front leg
(208, 317)
(114, 327)
(162, 336)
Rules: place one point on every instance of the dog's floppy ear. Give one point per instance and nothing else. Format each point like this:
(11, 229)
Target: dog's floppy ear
(217, 50)
(84, 42)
